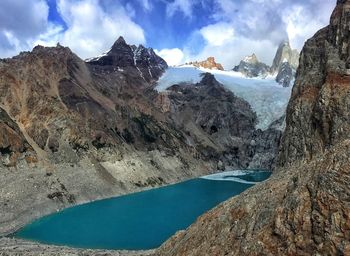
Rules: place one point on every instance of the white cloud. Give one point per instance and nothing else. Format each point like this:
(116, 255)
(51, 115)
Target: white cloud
(92, 30)
(258, 26)
(217, 34)
(172, 56)
(184, 6)
(21, 23)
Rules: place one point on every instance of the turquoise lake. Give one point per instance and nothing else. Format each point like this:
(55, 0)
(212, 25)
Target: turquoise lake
(142, 220)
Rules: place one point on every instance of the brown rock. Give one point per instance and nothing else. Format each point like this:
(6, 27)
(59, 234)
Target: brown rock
(209, 63)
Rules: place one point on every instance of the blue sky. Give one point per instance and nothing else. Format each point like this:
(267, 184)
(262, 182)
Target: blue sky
(179, 30)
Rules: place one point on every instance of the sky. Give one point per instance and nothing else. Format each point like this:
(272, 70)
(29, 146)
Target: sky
(179, 30)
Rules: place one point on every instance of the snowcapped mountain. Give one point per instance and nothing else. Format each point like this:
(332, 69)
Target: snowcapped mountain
(283, 68)
(121, 55)
(250, 66)
(267, 98)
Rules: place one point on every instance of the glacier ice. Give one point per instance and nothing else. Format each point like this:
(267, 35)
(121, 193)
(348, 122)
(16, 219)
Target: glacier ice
(267, 98)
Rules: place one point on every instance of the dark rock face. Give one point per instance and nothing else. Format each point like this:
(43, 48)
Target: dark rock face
(318, 115)
(285, 74)
(221, 125)
(122, 55)
(252, 67)
(12, 142)
(303, 209)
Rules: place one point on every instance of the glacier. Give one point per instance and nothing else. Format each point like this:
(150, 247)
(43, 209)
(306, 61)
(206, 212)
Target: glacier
(267, 98)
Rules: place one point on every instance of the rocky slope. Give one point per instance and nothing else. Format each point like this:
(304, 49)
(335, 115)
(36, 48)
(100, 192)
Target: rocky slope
(220, 124)
(250, 66)
(209, 63)
(73, 131)
(303, 209)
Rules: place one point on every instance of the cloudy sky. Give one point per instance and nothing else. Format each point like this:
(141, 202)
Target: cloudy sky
(180, 30)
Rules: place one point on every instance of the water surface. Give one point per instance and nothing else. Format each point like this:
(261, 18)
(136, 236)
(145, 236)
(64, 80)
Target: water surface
(141, 220)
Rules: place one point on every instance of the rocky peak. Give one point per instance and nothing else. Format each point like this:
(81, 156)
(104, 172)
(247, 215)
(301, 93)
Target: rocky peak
(285, 54)
(251, 59)
(143, 60)
(250, 66)
(209, 63)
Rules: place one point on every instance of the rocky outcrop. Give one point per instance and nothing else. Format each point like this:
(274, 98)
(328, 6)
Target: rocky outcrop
(220, 125)
(209, 63)
(13, 144)
(250, 66)
(303, 209)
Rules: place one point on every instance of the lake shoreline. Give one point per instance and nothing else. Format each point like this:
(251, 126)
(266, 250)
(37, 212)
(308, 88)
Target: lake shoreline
(15, 246)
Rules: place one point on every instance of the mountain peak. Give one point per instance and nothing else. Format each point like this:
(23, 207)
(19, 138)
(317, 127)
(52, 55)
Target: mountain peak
(209, 63)
(120, 40)
(285, 54)
(251, 59)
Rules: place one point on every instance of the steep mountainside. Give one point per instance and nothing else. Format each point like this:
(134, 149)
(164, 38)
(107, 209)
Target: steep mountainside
(304, 209)
(75, 131)
(220, 124)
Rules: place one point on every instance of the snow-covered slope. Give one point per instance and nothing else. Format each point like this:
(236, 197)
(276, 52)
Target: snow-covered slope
(268, 99)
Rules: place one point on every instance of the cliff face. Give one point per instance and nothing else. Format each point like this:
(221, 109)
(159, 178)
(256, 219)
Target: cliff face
(318, 114)
(303, 209)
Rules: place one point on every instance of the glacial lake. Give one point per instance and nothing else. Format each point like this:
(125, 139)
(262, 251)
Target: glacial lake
(142, 220)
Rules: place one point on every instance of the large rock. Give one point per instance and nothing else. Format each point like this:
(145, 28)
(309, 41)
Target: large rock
(303, 209)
